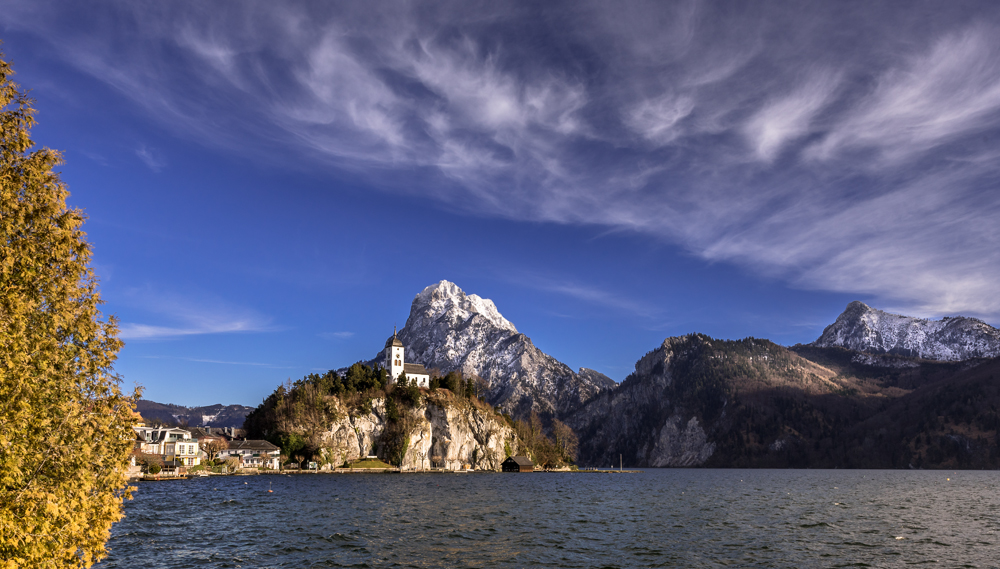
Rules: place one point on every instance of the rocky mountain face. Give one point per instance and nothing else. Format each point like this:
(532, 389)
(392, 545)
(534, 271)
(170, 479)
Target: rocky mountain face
(697, 401)
(208, 416)
(452, 331)
(863, 328)
(443, 432)
(672, 410)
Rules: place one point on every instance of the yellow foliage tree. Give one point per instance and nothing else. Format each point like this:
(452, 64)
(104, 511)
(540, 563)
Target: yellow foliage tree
(65, 425)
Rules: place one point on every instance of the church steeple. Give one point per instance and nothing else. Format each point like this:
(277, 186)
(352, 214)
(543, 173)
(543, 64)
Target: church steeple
(394, 356)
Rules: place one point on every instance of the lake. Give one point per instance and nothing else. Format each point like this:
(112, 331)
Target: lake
(655, 518)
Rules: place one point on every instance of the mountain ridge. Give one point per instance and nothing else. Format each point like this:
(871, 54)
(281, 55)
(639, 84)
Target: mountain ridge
(699, 401)
(866, 329)
(217, 415)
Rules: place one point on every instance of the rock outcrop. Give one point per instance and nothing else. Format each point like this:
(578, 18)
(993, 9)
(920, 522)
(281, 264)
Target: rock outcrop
(863, 328)
(443, 432)
(642, 420)
(452, 331)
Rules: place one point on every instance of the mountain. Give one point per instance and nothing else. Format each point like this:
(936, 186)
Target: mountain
(209, 416)
(452, 331)
(863, 328)
(698, 401)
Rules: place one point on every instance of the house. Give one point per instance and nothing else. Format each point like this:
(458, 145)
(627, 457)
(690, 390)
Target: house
(209, 443)
(397, 366)
(253, 454)
(169, 443)
(517, 464)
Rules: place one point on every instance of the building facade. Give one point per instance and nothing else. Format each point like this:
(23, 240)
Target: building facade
(171, 444)
(395, 364)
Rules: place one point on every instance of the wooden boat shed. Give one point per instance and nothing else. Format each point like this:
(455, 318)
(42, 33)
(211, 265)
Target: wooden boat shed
(518, 464)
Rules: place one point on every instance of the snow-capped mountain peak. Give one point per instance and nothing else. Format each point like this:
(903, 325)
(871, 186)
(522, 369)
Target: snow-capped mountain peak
(448, 329)
(446, 299)
(863, 328)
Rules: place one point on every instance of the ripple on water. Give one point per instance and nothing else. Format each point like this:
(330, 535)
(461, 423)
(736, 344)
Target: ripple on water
(658, 518)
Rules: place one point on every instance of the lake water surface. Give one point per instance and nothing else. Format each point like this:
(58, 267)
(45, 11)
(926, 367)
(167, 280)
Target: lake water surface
(656, 518)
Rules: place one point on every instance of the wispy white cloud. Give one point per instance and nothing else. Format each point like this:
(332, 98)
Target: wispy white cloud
(846, 150)
(151, 158)
(583, 292)
(187, 316)
(220, 362)
(658, 119)
(133, 331)
(336, 335)
(788, 117)
(948, 91)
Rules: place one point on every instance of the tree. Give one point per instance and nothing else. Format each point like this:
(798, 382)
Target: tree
(566, 440)
(213, 447)
(65, 425)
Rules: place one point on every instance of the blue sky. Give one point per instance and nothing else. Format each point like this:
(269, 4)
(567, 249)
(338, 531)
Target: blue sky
(268, 185)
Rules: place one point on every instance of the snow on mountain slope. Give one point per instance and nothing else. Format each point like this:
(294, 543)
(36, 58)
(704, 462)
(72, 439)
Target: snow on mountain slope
(863, 328)
(450, 330)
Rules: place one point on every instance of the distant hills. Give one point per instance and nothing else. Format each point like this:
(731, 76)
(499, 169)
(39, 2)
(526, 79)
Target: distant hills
(209, 416)
(875, 390)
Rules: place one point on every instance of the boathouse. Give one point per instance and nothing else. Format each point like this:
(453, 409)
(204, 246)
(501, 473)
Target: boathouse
(518, 464)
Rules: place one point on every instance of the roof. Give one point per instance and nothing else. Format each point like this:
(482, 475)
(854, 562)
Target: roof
(393, 341)
(415, 368)
(521, 460)
(252, 445)
(200, 433)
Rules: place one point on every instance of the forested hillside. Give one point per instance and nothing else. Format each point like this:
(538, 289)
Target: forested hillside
(752, 403)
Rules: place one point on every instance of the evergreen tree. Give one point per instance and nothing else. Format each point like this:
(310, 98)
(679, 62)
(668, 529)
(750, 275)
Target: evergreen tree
(65, 426)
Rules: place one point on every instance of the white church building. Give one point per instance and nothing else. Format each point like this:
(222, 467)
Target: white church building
(397, 366)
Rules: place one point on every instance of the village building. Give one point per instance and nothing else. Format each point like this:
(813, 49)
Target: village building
(517, 464)
(397, 367)
(254, 454)
(171, 444)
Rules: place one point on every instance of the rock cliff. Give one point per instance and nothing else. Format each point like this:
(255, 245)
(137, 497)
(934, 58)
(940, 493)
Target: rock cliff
(642, 420)
(863, 328)
(452, 331)
(443, 432)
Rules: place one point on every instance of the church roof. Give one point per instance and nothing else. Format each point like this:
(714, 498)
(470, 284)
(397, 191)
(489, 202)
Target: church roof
(393, 341)
(414, 368)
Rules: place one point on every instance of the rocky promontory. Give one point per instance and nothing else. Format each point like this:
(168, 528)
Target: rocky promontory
(444, 431)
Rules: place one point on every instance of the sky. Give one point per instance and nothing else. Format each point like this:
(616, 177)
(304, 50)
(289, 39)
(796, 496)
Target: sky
(268, 185)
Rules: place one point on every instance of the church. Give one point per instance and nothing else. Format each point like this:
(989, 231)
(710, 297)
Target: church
(397, 367)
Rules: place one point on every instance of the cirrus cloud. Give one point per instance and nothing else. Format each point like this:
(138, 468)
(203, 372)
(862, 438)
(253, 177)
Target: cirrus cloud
(843, 148)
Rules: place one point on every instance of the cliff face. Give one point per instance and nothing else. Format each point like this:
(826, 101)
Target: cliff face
(452, 331)
(642, 420)
(698, 401)
(444, 432)
(863, 328)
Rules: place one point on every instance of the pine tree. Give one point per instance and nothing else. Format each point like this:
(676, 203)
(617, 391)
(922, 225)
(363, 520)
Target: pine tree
(65, 425)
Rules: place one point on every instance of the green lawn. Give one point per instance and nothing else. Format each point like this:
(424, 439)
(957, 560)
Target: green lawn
(368, 463)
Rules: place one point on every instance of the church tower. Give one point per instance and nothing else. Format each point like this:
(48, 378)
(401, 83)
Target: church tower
(393, 357)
